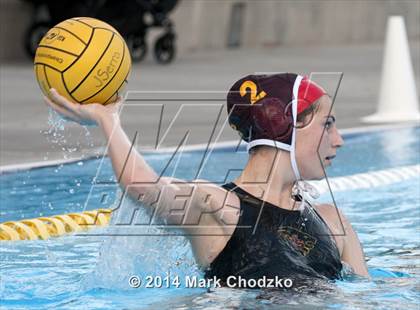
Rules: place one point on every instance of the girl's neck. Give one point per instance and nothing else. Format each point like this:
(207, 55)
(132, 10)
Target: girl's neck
(268, 175)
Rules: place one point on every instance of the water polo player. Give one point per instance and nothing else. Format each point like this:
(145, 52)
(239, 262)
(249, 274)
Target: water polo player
(261, 224)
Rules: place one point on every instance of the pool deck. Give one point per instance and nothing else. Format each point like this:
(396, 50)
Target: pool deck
(24, 117)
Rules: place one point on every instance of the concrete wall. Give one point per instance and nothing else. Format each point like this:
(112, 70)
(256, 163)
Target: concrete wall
(14, 19)
(207, 24)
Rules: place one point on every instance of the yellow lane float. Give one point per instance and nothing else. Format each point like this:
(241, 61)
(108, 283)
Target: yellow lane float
(54, 226)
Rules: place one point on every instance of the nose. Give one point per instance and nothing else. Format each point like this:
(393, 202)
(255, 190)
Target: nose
(338, 139)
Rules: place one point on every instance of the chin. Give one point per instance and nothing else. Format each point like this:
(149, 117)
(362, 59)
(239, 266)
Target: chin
(316, 175)
(320, 177)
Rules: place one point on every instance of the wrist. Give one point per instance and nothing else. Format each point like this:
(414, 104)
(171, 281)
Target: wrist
(105, 119)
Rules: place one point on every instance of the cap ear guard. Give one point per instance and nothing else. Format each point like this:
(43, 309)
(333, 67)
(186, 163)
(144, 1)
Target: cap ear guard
(271, 120)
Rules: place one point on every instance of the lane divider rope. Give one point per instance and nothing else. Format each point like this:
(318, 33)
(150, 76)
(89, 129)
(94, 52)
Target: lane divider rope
(368, 179)
(58, 225)
(54, 226)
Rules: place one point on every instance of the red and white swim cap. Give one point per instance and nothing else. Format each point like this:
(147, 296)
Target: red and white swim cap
(264, 109)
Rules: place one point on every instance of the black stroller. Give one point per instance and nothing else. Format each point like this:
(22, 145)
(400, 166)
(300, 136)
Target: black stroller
(132, 18)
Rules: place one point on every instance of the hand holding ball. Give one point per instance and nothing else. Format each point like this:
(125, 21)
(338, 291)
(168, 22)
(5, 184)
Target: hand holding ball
(84, 59)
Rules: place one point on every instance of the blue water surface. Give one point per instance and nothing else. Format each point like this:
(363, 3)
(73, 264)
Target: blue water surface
(92, 271)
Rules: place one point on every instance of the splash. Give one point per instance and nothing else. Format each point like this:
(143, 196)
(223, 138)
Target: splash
(58, 137)
(124, 254)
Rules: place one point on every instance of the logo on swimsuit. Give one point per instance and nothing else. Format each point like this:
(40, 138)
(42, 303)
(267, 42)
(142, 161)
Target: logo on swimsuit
(301, 241)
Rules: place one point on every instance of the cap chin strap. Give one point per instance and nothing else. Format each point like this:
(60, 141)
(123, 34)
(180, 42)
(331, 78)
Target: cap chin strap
(294, 113)
(283, 146)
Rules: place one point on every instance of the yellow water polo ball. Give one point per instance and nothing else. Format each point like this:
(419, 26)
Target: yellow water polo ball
(84, 59)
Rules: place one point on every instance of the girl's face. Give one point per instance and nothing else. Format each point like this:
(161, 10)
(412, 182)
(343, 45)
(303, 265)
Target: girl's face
(317, 142)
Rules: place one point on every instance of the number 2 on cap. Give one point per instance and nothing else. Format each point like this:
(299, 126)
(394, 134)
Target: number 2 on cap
(253, 87)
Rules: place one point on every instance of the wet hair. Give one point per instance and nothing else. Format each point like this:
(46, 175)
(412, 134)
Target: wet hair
(306, 116)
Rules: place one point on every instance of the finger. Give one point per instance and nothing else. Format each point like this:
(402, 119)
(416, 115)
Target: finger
(62, 101)
(60, 110)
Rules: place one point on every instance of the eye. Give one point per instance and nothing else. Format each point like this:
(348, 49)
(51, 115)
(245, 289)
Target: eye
(328, 124)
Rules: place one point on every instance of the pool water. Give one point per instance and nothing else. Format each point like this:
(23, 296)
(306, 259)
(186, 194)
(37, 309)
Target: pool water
(92, 271)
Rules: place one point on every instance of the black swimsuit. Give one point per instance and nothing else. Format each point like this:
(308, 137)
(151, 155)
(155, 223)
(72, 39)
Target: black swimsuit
(294, 244)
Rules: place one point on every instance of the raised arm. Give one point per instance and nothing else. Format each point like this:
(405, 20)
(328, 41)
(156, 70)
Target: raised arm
(129, 166)
(134, 175)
